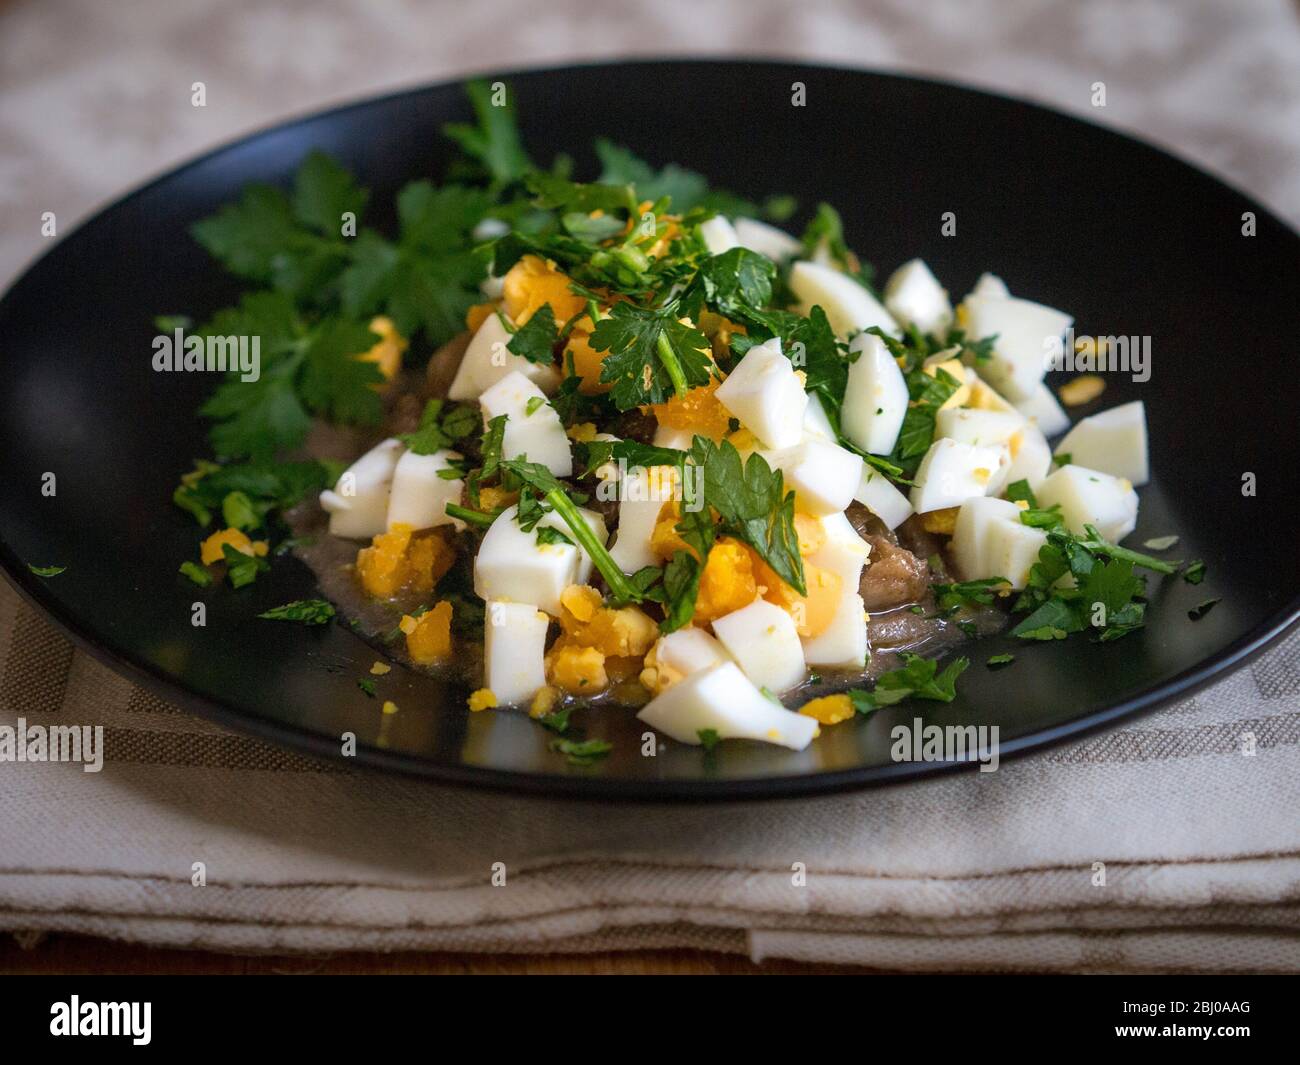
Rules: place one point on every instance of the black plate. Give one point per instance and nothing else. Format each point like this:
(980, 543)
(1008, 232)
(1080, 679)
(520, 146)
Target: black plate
(1128, 239)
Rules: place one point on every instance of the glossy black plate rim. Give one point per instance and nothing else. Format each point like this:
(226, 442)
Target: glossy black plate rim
(577, 786)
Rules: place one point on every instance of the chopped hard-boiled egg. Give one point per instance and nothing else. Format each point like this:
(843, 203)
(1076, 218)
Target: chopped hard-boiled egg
(1114, 441)
(849, 307)
(419, 495)
(824, 475)
(358, 502)
(877, 493)
(1028, 334)
(1042, 407)
(990, 540)
(488, 359)
(875, 397)
(722, 700)
(766, 395)
(766, 239)
(843, 643)
(678, 654)
(642, 494)
(533, 427)
(983, 427)
(842, 551)
(1031, 457)
(718, 235)
(762, 638)
(668, 436)
(951, 472)
(984, 397)
(815, 421)
(1090, 497)
(991, 285)
(514, 651)
(512, 565)
(914, 296)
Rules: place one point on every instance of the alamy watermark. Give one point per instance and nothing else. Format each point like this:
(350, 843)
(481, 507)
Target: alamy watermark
(919, 742)
(53, 743)
(1091, 354)
(208, 354)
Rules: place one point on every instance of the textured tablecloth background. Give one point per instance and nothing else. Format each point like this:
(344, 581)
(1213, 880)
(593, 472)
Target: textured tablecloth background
(1201, 844)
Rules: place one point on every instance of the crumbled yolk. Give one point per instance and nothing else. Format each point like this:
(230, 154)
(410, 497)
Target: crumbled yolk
(491, 497)
(380, 668)
(699, 410)
(576, 669)
(621, 632)
(387, 351)
(810, 532)
(395, 559)
(727, 581)
(940, 521)
(582, 432)
(477, 315)
(544, 701)
(829, 709)
(1081, 390)
(587, 361)
(389, 707)
(483, 699)
(428, 640)
(532, 282)
(210, 551)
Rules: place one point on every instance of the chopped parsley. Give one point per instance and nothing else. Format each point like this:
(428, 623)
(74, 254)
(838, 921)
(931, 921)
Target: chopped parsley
(308, 611)
(581, 752)
(46, 571)
(1201, 609)
(918, 678)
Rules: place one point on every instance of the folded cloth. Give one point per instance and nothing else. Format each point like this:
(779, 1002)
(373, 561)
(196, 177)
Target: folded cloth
(1157, 845)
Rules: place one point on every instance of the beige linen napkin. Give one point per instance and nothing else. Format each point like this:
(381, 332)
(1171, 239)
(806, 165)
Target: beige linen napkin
(1201, 844)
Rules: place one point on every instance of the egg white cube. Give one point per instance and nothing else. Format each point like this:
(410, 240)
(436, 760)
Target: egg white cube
(688, 650)
(1043, 408)
(669, 436)
(1031, 457)
(537, 434)
(877, 493)
(1114, 441)
(1028, 335)
(843, 643)
(849, 307)
(766, 395)
(950, 473)
(984, 396)
(970, 535)
(642, 495)
(718, 234)
(724, 700)
(983, 427)
(1010, 549)
(761, 637)
(488, 359)
(514, 651)
(766, 239)
(843, 552)
(875, 397)
(1090, 497)
(815, 421)
(358, 502)
(512, 566)
(991, 285)
(824, 476)
(419, 495)
(914, 296)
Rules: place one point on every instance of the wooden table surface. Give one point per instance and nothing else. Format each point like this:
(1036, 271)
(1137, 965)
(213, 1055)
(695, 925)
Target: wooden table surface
(68, 954)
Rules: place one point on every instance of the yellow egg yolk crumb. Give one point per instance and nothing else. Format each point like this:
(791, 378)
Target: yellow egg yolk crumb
(699, 411)
(532, 282)
(483, 699)
(211, 552)
(829, 709)
(396, 559)
(387, 351)
(428, 639)
(576, 669)
(1081, 390)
